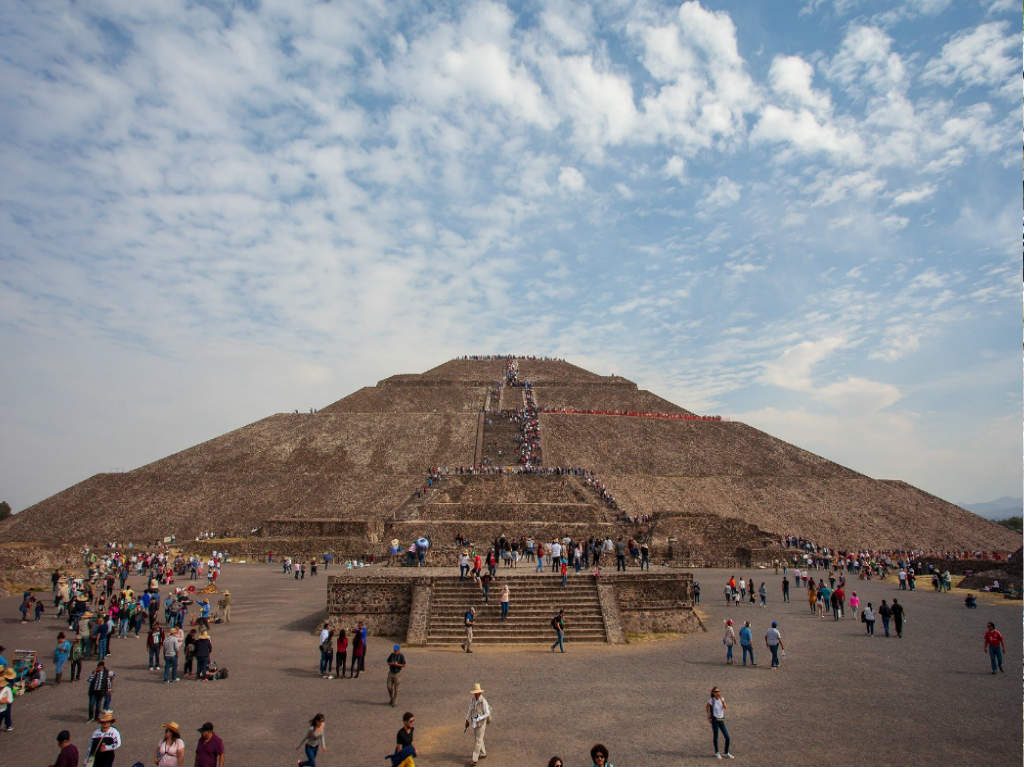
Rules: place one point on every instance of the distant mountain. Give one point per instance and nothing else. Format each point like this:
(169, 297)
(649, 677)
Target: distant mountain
(1000, 508)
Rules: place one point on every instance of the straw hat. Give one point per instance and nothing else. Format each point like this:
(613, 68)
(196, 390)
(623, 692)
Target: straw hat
(204, 634)
(476, 688)
(227, 593)
(173, 727)
(106, 716)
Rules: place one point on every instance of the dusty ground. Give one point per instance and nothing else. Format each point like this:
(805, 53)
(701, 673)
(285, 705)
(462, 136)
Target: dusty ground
(841, 698)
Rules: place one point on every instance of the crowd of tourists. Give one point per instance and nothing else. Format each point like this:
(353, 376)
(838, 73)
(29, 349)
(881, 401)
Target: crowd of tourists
(556, 554)
(630, 413)
(507, 358)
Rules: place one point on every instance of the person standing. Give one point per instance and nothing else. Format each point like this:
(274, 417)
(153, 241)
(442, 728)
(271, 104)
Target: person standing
(225, 605)
(171, 646)
(358, 650)
(6, 699)
(341, 654)
(154, 641)
(105, 741)
(747, 643)
(898, 616)
(504, 600)
(558, 624)
(773, 640)
(60, 656)
(313, 742)
(68, 756)
(762, 595)
(468, 620)
(326, 651)
(396, 662)
(716, 708)
(729, 640)
(620, 555)
(477, 717)
(203, 650)
(210, 748)
(171, 751)
(785, 588)
(77, 651)
(599, 756)
(854, 604)
(995, 646)
(404, 751)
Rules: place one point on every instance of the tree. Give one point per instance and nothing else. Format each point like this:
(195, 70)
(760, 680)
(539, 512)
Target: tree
(1013, 523)
(5, 509)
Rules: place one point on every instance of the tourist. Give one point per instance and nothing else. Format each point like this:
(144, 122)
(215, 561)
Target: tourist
(171, 646)
(558, 625)
(404, 751)
(225, 605)
(326, 651)
(854, 604)
(358, 652)
(363, 631)
(210, 748)
(61, 653)
(504, 601)
(885, 613)
(99, 685)
(743, 590)
(468, 620)
(564, 571)
(599, 756)
(555, 761)
(485, 585)
(785, 588)
(716, 708)
(898, 617)
(995, 646)
(171, 751)
(105, 741)
(6, 699)
(396, 662)
(620, 555)
(77, 651)
(154, 641)
(190, 652)
(68, 756)
(747, 643)
(729, 640)
(477, 717)
(773, 640)
(463, 565)
(204, 648)
(341, 654)
(696, 592)
(313, 741)
(728, 595)
(762, 594)
(812, 596)
(868, 616)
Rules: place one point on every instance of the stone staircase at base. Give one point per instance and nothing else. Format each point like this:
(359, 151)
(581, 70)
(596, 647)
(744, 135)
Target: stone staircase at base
(534, 601)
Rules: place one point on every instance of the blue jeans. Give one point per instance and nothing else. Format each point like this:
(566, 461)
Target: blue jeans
(170, 668)
(504, 610)
(201, 665)
(716, 725)
(748, 649)
(540, 564)
(103, 647)
(995, 654)
(559, 641)
(326, 659)
(310, 756)
(154, 657)
(885, 625)
(95, 704)
(775, 654)
(728, 653)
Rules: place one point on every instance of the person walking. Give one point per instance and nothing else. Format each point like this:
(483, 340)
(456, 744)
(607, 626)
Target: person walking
(558, 625)
(747, 643)
(773, 640)
(68, 756)
(468, 620)
(854, 604)
(171, 750)
(6, 699)
(729, 640)
(762, 595)
(477, 717)
(99, 686)
(313, 741)
(785, 588)
(105, 742)
(995, 646)
(868, 616)
(210, 748)
(77, 651)
(716, 708)
(504, 601)
(404, 751)
(885, 613)
(898, 617)
(396, 662)
(358, 651)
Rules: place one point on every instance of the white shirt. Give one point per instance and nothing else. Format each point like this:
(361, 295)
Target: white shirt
(772, 637)
(717, 707)
(479, 710)
(556, 549)
(111, 733)
(324, 634)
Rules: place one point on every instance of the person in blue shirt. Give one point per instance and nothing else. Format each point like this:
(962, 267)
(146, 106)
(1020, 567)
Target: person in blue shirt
(747, 643)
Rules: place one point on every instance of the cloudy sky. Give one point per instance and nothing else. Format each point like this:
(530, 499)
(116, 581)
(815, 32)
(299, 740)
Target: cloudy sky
(802, 216)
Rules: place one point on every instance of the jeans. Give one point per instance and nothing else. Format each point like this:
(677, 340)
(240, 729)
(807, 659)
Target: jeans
(202, 663)
(76, 670)
(310, 756)
(326, 661)
(995, 654)
(103, 647)
(870, 627)
(785, 595)
(95, 704)
(339, 668)
(504, 610)
(885, 625)
(716, 725)
(540, 564)
(565, 580)
(559, 641)
(748, 649)
(154, 657)
(774, 648)
(170, 668)
(620, 562)
(463, 571)
(728, 653)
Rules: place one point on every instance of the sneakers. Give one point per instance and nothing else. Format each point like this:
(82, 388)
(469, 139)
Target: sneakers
(729, 756)
(718, 755)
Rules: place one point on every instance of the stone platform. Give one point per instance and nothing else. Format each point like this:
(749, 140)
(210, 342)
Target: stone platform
(426, 605)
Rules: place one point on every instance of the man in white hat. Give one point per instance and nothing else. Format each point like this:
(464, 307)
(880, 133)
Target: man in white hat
(477, 717)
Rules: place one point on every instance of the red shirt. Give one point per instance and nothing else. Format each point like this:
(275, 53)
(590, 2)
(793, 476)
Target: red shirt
(993, 639)
(207, 751)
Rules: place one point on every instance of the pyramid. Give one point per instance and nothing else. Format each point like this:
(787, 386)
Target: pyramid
(357, 470)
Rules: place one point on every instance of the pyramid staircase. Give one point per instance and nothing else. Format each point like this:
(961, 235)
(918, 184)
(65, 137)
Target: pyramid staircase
(534, 601)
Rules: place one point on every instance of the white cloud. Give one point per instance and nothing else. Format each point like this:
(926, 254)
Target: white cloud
(985, 56)
(791, 78)
(866, 58)
(725, 192)
(792, 370)
(916, 195)
(805, 133)
(570, 178)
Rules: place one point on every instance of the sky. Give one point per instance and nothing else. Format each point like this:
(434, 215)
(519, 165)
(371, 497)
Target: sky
(804, 216)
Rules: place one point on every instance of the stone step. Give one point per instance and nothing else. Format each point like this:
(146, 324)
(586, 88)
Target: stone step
(516, 640)
(512, 630)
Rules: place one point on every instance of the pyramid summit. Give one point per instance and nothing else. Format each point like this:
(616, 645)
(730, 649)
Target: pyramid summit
(522, 445)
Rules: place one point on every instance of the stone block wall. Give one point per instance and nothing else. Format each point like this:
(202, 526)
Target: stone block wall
(299, 527)
(657, 603)
(383, 604)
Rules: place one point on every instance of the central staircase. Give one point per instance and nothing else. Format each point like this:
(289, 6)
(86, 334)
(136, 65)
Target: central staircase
(534, 601)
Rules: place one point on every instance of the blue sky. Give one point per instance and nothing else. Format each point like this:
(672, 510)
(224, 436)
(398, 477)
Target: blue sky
(803, 216)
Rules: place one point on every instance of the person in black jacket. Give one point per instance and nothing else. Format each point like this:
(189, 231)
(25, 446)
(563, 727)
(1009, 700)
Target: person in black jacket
(100, 686)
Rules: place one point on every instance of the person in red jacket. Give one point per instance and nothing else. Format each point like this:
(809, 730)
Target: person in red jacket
(995, 646)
